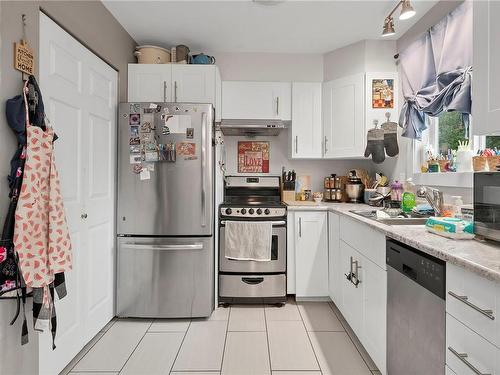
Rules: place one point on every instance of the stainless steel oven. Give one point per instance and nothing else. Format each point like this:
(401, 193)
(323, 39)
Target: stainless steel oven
(253, 199)
(278, 253)
(487, 205)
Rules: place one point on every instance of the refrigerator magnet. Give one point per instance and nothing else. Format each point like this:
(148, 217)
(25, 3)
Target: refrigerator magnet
(135, 158)
(133, 141)
(135, 108)
(150, 156)
(153, 105)
(165, 130)
(148, 110)
(135, 149)
(150, 166)
(189, 133)
(134, 119)
(186, 149)
(146, 127)
(134, 130)
(137, 168)
(145, 174)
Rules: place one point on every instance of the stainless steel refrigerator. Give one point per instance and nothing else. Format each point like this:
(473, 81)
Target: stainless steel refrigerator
(165, 224)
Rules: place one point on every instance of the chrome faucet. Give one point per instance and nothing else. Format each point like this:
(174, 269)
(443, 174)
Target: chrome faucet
(435, 200)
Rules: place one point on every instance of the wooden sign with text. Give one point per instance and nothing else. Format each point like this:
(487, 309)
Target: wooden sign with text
(24, 60)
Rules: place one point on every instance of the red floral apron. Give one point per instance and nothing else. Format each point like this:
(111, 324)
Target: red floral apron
(41, 237)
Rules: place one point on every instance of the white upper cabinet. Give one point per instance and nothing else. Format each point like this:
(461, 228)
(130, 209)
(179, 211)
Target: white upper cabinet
(149, 82)
(344, 117)
(193, 83)
(306, 133)
(175, 83)
(256, 100)
(311, 254)
(486, 87)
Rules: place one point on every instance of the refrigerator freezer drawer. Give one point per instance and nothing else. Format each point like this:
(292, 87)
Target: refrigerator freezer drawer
(165, 277)
(243, 286)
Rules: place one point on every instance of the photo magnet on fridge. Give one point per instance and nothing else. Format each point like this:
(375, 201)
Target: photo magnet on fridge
(190, 133)
(135, 108)
(134, 119)
(134, 131)
(134, 141)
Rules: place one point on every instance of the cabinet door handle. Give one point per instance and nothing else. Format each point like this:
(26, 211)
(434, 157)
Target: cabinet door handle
(175, 91)
(84, 216)
(463, 357)
(326, 141)
(277, 105)
(296, 144)
(164, 91)
(486, 312)
(355, 277)
(300, 227)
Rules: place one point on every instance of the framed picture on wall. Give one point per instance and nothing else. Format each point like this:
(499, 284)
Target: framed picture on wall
(382, 93)
(253, 157)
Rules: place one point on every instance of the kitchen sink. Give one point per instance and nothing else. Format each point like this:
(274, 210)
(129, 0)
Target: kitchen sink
(403, 219)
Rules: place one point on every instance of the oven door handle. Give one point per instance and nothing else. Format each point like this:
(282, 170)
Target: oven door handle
(252, 280)
(275, 223)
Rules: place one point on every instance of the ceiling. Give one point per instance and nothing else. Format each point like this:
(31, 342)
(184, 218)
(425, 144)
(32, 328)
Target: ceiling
(248, 26)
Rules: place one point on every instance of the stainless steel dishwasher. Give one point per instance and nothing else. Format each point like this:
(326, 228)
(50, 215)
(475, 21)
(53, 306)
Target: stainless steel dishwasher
(416, 316)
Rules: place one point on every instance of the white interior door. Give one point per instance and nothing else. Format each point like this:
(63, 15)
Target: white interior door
(80, 97)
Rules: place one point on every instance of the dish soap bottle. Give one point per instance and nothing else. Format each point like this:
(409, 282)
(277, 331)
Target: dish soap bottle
(408, 198)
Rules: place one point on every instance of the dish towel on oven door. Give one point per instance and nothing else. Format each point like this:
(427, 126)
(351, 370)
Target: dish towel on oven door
(41, 236)
(248, 240)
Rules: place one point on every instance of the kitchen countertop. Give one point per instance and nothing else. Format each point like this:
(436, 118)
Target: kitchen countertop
(481, 257)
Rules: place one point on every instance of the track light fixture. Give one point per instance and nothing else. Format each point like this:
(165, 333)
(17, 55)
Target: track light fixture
(407, 12)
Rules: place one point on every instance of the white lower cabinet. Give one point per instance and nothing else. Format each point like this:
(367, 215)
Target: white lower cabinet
(374, 333)
(467, 352)
(334, 260)
(352, 295)
(472, 329)
(311, 254)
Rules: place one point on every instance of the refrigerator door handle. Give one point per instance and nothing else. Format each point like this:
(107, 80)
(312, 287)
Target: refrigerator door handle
(203, 169)
(135, 246)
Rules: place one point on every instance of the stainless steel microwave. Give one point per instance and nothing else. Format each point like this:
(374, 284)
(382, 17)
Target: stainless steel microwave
(487, 205)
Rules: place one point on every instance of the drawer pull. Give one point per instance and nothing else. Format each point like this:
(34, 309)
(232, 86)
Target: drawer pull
(252, 280)
(463, 357)
(488, 313)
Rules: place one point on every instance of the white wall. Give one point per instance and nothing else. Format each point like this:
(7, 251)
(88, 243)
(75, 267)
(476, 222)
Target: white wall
(278, 157)
(363, 56)
(270, 66)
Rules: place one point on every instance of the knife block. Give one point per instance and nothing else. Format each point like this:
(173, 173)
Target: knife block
(288, 195)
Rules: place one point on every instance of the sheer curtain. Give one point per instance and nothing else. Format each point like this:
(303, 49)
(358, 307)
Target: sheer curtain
(436, 72)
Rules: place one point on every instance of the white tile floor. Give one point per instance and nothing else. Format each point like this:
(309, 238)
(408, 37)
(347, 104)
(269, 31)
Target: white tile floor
(297, 339)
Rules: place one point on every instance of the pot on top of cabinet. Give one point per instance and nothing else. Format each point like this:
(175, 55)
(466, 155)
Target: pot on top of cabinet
(148, 54)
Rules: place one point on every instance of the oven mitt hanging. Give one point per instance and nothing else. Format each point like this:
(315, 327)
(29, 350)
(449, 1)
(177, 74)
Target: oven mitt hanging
(390, 136)
(375, 145)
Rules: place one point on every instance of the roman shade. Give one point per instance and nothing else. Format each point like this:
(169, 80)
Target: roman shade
(436, 72)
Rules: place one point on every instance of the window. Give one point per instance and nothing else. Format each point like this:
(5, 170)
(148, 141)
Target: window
(450, 132)
(445, 132)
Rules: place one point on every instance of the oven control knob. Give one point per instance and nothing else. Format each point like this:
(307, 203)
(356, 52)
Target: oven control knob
(251, 211)
(243, 211)
(266, 211)
(259, 211)
(228, 211)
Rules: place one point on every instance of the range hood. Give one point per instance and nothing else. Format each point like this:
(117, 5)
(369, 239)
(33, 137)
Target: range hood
(252, 127)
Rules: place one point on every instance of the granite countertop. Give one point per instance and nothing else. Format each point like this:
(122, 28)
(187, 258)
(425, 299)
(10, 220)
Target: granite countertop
(481, 257)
